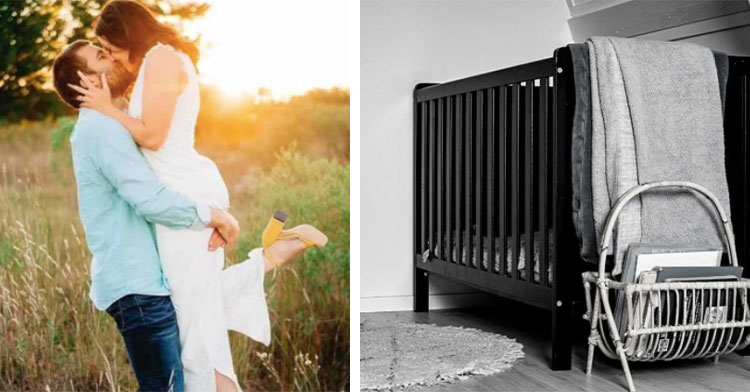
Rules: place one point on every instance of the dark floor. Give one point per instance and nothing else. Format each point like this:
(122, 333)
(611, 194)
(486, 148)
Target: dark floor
(530, 326)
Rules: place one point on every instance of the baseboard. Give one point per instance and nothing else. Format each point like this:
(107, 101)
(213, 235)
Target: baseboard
(437, 301)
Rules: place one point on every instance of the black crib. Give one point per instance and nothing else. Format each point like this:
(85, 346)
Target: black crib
(492, 188)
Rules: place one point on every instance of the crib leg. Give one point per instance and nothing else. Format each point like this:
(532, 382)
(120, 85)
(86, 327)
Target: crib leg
(421, 290)
(562, 335)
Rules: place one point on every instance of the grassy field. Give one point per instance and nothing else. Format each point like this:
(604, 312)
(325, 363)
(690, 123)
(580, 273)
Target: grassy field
(52, 338)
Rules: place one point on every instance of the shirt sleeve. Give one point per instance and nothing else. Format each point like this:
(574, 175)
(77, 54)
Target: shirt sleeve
(125, 167)
(204, 217)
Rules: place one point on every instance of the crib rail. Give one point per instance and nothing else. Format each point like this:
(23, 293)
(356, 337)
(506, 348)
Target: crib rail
(490, 194)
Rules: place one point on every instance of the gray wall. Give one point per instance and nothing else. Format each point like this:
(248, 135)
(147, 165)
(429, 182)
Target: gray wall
(404, 43)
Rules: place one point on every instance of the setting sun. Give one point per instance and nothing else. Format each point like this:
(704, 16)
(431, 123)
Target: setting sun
(286, 46)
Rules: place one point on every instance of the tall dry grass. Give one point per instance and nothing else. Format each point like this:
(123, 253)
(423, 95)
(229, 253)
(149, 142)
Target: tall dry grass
(52, 338)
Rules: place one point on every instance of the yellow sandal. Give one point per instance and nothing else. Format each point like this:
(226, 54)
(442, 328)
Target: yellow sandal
(274, 227)
(308, 234)
(271, 233)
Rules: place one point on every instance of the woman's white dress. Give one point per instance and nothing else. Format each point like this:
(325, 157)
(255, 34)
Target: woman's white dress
(208, 299)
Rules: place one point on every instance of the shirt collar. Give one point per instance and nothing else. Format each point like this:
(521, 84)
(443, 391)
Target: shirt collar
(84, 112)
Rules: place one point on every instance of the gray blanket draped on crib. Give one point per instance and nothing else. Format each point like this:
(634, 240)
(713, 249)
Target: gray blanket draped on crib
(652, 112)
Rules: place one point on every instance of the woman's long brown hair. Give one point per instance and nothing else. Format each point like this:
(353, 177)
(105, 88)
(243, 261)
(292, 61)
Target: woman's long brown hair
(130, 25)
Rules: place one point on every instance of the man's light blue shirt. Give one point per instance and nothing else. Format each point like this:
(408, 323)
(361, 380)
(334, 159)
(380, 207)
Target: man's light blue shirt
(119, 200)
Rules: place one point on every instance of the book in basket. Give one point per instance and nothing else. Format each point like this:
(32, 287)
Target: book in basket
(642, 258)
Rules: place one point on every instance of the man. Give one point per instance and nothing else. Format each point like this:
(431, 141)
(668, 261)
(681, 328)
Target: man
(120, 199)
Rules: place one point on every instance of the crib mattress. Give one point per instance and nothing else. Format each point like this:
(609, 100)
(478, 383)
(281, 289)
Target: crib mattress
(508, 252)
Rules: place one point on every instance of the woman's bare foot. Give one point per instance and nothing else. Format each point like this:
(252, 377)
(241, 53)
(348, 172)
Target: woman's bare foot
(292, 243)
(282, 251)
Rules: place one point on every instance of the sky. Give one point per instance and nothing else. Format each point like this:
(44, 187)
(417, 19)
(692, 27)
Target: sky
(286, 46)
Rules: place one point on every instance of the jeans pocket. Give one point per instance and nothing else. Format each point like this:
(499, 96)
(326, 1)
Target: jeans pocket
(131, 314)
(156, 311)
(138, 311)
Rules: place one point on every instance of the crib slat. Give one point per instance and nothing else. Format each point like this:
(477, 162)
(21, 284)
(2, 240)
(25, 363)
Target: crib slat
(744, 239)
(469, 132)
(459, 178)
(515, 191)
(431, 191)
(529, 179)
(543, 129)
(423, 179)
(440, 177)
(479, 168)
(449, 135)
(502, 188)
(490, 180)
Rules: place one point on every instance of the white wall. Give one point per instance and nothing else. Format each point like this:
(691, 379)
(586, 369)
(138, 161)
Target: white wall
(404, 43)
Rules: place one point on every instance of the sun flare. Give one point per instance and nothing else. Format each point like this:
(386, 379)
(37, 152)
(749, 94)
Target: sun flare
(285, 46)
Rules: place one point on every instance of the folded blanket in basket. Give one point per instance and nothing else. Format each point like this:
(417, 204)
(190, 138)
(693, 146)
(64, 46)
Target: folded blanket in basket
(651, 112)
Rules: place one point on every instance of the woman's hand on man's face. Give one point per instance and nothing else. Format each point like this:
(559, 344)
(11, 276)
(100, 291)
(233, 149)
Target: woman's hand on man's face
(93, 96)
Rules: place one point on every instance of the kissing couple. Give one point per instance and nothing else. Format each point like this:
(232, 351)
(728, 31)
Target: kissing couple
(155, 211)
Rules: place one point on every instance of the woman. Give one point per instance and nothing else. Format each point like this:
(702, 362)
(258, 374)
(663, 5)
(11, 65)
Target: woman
(161, 117)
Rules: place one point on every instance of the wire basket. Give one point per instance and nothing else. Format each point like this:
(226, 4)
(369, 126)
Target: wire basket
(665, 321)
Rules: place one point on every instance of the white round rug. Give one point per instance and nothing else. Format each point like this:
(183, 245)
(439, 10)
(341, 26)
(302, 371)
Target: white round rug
(399, 355)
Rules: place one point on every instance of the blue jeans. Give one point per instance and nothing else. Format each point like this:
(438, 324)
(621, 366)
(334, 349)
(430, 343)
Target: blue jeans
(149, 328)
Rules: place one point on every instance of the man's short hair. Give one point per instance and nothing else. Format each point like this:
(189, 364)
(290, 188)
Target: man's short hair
(65, 71)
